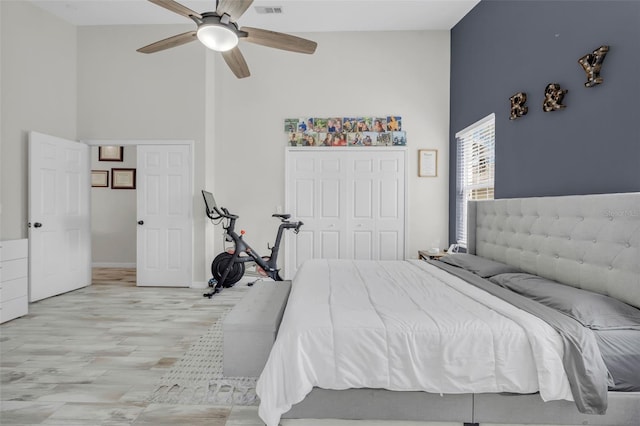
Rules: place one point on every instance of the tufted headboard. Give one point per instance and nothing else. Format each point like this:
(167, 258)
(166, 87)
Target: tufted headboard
(587, 241)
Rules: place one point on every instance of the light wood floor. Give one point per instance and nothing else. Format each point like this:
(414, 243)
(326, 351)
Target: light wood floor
(92, 356)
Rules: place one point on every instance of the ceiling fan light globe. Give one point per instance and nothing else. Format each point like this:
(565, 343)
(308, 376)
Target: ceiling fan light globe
(217, 37)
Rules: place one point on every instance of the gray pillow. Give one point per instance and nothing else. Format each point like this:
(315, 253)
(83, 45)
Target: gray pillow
(593, 310)
(478, 265)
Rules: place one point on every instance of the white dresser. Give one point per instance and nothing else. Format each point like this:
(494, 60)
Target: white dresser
(14, 282)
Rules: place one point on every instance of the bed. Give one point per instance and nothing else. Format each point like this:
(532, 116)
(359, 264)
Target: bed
(392, 345)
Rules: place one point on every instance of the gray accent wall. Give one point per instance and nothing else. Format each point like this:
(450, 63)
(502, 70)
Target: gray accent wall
(593, 145)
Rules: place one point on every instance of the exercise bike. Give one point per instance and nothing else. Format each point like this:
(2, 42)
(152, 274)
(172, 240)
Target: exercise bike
(228, 267)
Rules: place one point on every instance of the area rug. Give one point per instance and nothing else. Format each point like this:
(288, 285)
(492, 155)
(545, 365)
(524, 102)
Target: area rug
(197, 377)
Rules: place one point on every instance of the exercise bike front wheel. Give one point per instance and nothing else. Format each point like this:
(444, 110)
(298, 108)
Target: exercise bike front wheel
(219, 265)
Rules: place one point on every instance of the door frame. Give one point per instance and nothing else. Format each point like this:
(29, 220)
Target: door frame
(136, 142)
(287, 180)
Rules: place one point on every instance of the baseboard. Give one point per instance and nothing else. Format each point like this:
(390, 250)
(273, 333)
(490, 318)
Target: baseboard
(112, 265)
(199, 284)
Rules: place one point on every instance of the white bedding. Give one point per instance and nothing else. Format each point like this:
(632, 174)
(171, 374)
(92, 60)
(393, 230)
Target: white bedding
(404, 326)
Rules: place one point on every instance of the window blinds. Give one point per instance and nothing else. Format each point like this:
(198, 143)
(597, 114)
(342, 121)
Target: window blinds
(475, 169)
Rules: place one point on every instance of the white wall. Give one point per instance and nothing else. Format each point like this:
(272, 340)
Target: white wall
(123, 94)
(39, 88)
(113, 216)
(351, 74)
(187, 93)
(1, 120)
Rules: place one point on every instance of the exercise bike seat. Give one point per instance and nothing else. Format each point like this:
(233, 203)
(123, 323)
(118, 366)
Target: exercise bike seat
(281, 216)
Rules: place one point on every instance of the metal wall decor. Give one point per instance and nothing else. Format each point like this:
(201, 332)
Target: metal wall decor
(553, 96)
(592, 63)
(518, 108)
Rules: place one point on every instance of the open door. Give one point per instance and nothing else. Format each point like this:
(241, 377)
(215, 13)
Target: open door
(165, 219)
(59, 216)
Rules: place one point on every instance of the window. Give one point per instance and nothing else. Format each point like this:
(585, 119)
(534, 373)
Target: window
(476, 169)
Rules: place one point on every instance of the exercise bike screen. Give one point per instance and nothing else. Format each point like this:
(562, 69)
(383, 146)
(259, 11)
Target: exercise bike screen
(209, 202)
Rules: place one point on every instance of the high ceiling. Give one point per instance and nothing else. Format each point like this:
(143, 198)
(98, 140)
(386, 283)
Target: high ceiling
(297, 16)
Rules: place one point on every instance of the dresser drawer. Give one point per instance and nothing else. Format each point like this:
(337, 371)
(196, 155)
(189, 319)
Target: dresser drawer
(13, 308)
(14, 269)
(14, 281)
(14, 249)
(13, 289)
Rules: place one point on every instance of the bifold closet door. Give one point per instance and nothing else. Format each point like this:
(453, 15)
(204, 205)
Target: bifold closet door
(375, 213)
(352, 203)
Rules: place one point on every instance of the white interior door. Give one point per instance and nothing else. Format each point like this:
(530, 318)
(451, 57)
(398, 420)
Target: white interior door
(352, 203)
(375, 216)
(59, 216)
(317, 196)
(165, 220)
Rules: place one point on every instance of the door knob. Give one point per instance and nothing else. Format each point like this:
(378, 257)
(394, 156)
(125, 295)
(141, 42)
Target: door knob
(37, 225)
(141, 222)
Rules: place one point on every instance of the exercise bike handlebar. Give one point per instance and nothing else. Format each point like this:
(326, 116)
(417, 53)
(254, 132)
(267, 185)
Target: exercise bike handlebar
(221, 214)
(229, 215)
(283, 217)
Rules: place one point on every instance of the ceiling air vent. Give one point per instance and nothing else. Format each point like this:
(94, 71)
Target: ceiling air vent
(268, 10)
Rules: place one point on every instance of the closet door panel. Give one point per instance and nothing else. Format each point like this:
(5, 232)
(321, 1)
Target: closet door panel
(330, 245)
(330, 198)
(362, 245)
(352, 204)
(363, 202)
(303, 248)
(304, 196)
(389, 245)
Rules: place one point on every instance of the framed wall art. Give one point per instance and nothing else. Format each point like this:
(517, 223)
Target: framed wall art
(428, 163)
(100, 178)
(111, 153)
(123, 178)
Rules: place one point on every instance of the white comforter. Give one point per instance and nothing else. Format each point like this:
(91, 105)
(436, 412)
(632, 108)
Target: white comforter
(405, 326)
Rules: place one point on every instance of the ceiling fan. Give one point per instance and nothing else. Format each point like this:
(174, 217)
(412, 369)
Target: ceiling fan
(218, 31)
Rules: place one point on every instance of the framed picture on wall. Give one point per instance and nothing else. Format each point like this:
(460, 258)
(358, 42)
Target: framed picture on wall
(100, 178)
(110, 153)
(428, 162)
(123, 178)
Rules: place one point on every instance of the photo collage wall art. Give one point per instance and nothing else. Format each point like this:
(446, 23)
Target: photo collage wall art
(345, 131)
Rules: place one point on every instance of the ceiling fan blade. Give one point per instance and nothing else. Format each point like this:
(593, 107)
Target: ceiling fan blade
(168, 43)
(177, 8)
(233, 8)
(236, 62)
(279, 40)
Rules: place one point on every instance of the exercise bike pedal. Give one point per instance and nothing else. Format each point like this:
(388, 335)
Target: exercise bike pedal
(212, 292)
(251, 283)
(212, 282)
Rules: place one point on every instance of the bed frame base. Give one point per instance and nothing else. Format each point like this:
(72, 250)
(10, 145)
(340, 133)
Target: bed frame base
(470, 409)
(381, 404)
